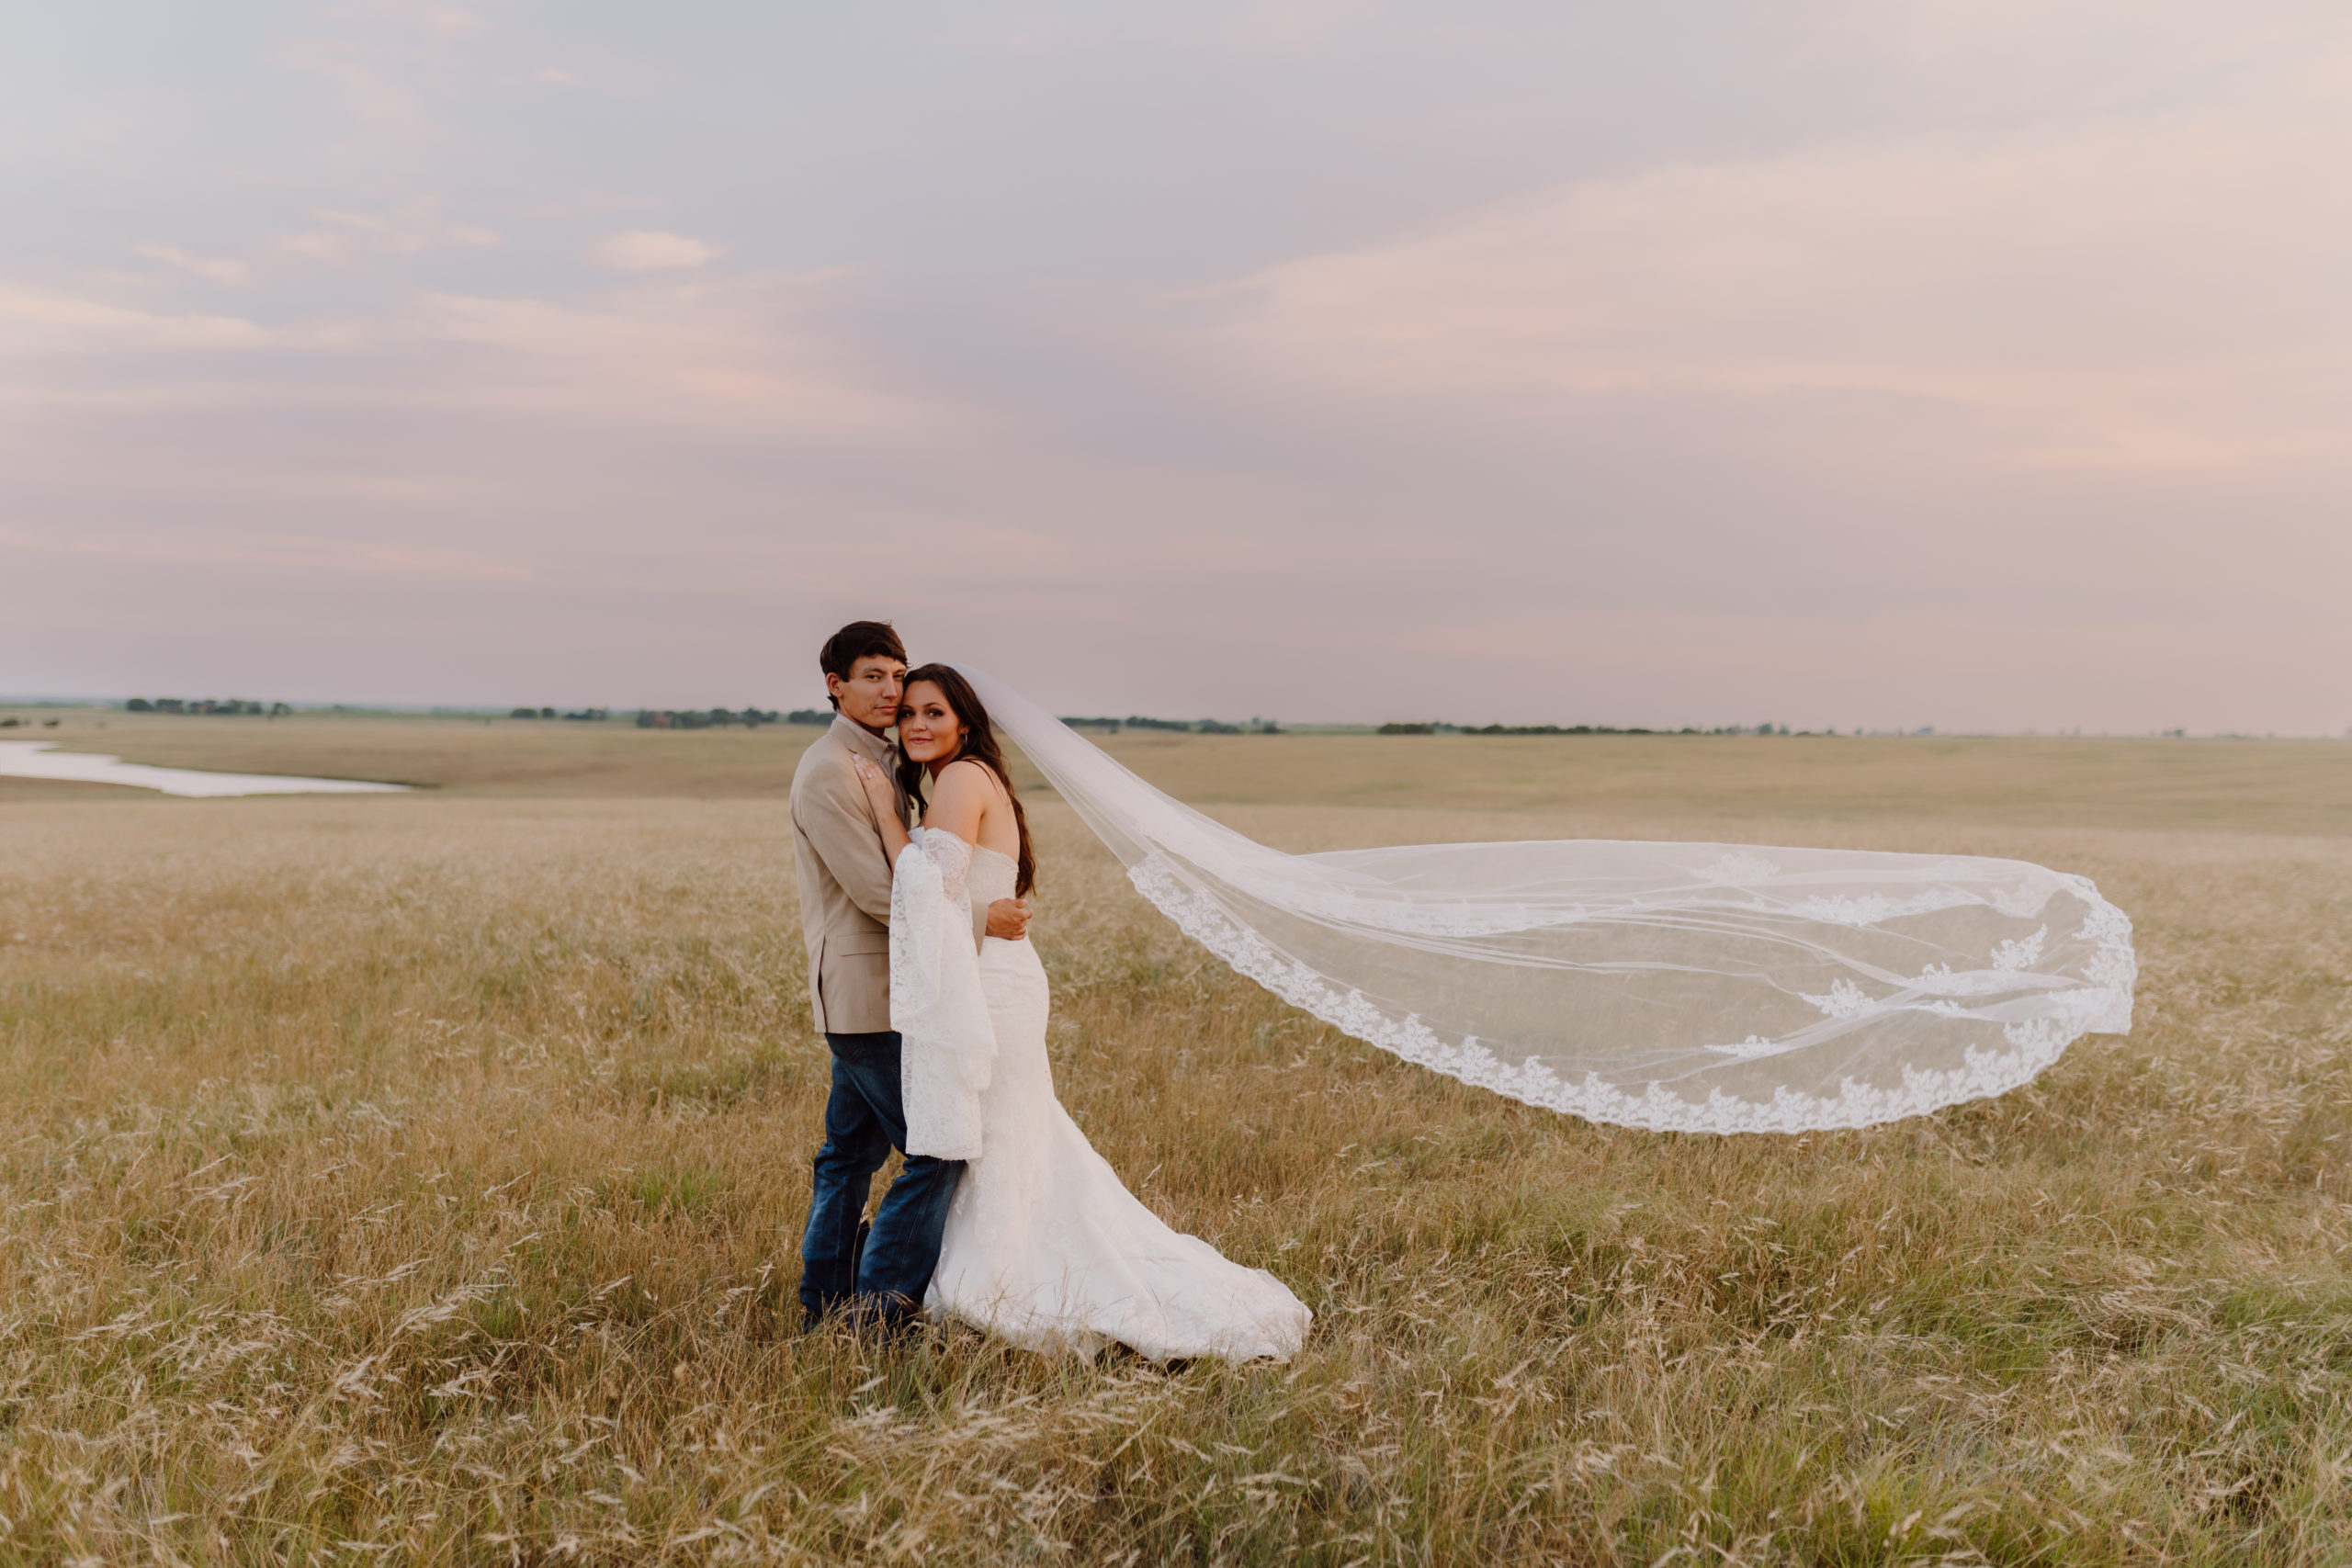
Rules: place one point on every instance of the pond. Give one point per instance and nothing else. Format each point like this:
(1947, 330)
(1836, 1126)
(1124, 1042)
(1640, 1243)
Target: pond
(40, 760)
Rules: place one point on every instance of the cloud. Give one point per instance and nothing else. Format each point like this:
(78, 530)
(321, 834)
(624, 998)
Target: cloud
(650, 250)
(40, 321)
(745, 357)
(2158, 295)
(387, 63)
(1249, 31)
(411, 229)
(749, 356)
(157, 548)
(218, 269)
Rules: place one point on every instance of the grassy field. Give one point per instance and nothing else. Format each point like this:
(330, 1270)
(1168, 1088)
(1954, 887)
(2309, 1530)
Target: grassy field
(419, 1178)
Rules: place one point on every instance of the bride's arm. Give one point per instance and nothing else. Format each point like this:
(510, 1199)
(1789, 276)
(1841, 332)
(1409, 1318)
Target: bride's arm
(966, 791)
(885, 799)
(961, 793)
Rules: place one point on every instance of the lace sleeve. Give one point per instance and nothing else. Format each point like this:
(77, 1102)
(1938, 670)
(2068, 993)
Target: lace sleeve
(947, 1047)
(952, 855)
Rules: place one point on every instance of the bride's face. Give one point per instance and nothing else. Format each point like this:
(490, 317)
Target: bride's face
(929, 730)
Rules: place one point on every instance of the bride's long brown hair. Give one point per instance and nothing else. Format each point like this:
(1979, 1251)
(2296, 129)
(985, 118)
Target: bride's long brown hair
(980, 743)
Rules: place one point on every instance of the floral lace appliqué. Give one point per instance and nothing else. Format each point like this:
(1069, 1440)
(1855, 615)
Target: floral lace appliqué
(2104, 1005)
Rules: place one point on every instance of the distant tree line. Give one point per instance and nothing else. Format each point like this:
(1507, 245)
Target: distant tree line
(1436, 727)
(206, 704)
(1183, 726)
(705, 719)
(583, 716)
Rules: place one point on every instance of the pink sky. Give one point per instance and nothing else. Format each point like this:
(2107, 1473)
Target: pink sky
(1982, 367)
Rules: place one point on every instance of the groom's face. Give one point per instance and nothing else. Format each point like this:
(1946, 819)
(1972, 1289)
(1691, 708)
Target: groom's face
(870, 695)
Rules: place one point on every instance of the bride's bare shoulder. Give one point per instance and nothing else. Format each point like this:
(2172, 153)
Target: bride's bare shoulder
(969, 776)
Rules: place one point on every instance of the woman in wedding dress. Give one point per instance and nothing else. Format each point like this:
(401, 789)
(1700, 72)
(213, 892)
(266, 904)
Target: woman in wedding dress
(1044, 1246)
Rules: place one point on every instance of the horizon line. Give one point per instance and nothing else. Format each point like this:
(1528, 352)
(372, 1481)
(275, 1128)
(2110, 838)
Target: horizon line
(490, 710)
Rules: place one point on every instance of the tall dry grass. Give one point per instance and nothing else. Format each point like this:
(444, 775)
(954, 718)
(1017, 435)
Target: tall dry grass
(420, 1180)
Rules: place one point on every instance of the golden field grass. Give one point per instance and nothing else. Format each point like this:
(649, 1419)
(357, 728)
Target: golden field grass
(419, 1178)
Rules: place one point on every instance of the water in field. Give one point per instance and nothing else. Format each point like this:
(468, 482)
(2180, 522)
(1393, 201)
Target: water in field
(40, 760)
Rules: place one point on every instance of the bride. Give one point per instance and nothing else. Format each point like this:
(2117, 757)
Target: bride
(1044, 1244)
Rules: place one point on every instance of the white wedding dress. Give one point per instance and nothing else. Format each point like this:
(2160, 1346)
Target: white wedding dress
(1044, 1246)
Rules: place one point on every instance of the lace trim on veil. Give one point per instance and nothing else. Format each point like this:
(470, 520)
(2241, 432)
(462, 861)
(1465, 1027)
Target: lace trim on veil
(2035, 1043)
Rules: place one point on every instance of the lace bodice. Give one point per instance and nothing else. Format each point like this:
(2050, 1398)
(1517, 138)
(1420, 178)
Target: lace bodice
(989, 876)
(968, 873)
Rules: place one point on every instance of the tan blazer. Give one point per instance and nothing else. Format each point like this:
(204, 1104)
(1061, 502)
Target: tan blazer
(845, 882)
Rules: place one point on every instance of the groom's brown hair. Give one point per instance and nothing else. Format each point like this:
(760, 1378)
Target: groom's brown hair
(859, 639)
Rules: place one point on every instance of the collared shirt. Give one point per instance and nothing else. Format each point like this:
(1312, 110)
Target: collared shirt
(878, 749)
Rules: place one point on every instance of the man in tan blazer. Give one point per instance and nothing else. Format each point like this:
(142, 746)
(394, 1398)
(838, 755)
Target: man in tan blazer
(883, 1270)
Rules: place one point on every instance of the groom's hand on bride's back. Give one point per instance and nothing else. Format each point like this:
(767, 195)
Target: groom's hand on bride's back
(1009, 919)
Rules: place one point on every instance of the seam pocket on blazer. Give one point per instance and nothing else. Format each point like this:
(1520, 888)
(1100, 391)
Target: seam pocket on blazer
(860, 943)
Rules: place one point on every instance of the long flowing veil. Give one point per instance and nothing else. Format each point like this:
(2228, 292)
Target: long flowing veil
(1681, 988)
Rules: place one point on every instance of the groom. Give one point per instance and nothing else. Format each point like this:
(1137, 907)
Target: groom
(879, 1271)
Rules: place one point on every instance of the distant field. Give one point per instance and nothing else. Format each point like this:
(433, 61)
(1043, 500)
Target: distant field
(537, 757)
(2292, 786)
(418, 1178)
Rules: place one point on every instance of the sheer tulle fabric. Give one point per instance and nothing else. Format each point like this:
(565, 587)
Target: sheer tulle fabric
(1684, 988)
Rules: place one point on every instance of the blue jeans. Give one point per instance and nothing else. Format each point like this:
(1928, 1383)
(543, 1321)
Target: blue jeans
(888, 1266)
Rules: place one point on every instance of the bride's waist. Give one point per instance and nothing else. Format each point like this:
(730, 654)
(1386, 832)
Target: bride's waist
(996, 953)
